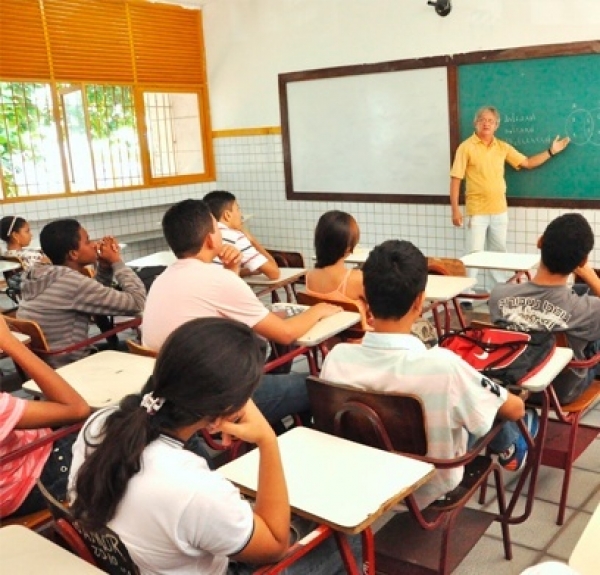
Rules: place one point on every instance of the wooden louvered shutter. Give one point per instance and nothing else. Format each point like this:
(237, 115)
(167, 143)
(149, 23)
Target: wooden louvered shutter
(89, 41)
(168, 44)
(23, 53)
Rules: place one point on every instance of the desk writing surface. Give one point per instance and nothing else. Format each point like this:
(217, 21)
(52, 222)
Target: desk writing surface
(328, 327)
(6, 266)
(286, 275)
(343, 484)
(543, 378)
(164, 258)
(443, 288)
(506, 261)
(25, 552)
(585, 558)
(104, 378)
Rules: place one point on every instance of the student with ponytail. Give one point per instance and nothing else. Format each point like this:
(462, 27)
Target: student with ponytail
(171, 511)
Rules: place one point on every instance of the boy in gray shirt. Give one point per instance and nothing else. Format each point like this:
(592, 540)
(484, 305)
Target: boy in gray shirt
(548, 303)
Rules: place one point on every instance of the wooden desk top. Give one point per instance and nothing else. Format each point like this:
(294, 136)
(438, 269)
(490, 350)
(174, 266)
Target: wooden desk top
(286, 276)
(585, 558)
(342, 484)
(104, 378)
(164, 258)
(506, 261)
(26, 552)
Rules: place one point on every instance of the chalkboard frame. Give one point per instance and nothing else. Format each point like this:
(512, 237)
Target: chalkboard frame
(452, 64)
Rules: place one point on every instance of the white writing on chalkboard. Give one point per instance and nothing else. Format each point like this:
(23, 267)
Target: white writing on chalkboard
(583, 126)
(520, 129)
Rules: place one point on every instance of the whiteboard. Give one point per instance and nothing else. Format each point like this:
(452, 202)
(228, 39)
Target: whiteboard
(377, 133)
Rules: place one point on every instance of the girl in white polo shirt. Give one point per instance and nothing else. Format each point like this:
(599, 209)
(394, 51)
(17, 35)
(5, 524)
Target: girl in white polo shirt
(131, 472)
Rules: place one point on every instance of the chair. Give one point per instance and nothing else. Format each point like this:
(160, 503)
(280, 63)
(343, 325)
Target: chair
(39, 344)
(12, 291)
(432, 540)
(566, 437)
(42, 518)
(231, 451)
(101, 547)
(287, 259)
(449, 267)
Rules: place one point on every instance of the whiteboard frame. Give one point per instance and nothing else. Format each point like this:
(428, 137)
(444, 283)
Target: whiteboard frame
(452, 63)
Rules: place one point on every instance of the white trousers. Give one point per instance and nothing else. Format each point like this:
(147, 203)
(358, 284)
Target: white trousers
(487, 233)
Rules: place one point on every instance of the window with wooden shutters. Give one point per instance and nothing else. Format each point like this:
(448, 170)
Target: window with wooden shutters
(100, 95)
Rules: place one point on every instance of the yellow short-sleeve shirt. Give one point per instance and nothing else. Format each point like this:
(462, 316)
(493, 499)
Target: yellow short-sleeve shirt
(482, 167)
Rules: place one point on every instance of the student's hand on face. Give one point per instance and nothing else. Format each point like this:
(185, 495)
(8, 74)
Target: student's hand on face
(231, 257)
(327, 309)
(248, 425)
(108, 250)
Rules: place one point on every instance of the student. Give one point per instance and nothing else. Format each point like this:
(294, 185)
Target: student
(173, 514)
(456, 398)
(227, 212)
(22, 422)
(202, 289)
(547, 303)
(60, 298)
(16, 233)
(336, 236)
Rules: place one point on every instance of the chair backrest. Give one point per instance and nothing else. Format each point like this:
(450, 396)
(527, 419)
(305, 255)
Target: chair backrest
(139, 349)
(390, 421)
(446, 267)
(101, 547)
(31, 329)
(287, 259)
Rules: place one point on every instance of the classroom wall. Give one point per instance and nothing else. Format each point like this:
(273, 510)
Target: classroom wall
(249, 42)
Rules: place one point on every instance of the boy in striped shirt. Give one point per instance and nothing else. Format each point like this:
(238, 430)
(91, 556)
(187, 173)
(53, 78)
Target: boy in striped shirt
(227, 212)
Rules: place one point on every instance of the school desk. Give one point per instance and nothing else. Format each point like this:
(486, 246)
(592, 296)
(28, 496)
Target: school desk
(536, 384)
(164, 258)
(585, 558)
(26, 552)
(339, 483)
(263, 285)
(23, 338)
(104, 378)
(520, 264)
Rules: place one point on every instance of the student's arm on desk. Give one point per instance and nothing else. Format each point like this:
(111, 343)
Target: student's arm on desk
(286, 331)
(63, 404)
(513, 408)
(270, 538)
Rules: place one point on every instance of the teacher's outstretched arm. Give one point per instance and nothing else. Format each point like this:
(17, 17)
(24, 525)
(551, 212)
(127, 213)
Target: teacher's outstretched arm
(557, 146)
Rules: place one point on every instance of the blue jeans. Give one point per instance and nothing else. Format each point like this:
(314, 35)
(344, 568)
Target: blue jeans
(278, 395)
(506, 437)
(323, 560)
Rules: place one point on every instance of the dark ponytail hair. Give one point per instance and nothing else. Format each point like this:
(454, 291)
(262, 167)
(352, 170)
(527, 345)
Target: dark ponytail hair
(10, 224)
(207, 368)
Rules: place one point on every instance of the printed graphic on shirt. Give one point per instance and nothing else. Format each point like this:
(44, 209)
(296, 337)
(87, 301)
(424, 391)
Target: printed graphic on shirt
(533, 314)
(489, 384)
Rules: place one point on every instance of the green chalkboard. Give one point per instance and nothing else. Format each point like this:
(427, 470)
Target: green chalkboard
(538, 99)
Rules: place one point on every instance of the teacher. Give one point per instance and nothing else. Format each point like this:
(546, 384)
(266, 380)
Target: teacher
(480, 161)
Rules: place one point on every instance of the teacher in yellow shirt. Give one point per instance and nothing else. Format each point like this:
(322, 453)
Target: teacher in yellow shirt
(480, 161)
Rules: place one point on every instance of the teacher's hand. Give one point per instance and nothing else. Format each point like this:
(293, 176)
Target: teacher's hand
(559, 145)
(457, 218)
